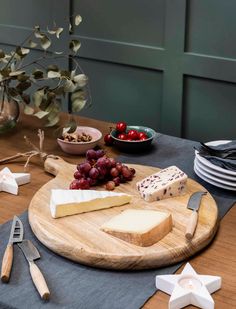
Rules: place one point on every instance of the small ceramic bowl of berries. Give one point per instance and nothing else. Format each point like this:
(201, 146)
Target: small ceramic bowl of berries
(130, 138)
(78, 142)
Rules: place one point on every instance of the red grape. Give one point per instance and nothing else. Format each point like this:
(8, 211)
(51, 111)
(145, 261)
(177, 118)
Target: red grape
(116, 181)
(94, 173)
(100, 153)
(113, 162)
(114, 172)
(91, 154)
(110, 185)
(126, 172)
(119, 166)
(77, 175)
(83, 183)
(132, 170)
(101, 162)
(84, 168)
(74, 184)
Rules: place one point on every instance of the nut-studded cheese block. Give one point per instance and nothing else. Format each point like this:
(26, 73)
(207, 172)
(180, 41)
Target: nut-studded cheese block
(169, 182)
(141, 227)
(70, 202)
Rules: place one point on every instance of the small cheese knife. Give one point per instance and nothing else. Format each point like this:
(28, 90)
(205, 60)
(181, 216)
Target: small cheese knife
(31, 253)
(16, 235)
(193, 204)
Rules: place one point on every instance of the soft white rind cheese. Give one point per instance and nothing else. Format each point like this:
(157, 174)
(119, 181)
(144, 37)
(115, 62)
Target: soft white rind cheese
(169, 182)
(142, 227)
(71, 202)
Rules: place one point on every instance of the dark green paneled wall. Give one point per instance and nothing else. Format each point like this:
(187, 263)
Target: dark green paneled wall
(168, 64)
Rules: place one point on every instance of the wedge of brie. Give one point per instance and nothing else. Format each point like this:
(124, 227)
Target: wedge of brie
(70, 202)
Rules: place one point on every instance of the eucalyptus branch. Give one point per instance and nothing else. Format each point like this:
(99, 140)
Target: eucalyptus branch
(21, 45)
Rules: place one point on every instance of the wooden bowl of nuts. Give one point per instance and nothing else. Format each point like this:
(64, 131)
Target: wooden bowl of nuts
(78, 142)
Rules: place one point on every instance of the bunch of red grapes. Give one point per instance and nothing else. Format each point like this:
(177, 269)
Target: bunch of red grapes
(125, 135)
(98, 169)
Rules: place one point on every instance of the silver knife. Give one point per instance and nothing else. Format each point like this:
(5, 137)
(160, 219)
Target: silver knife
(193, 204)
(16, 235)
(31, 253)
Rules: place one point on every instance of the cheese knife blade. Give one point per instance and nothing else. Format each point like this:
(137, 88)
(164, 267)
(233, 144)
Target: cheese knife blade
(31, 254)
(16, 235)
(193, 204)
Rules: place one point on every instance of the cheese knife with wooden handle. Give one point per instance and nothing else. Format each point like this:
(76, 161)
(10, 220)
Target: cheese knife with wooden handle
(16, 235)
(193, 204)
(31, 253)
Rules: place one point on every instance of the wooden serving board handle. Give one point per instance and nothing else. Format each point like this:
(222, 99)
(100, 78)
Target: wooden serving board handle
(7, 263)
(39, 281)
(54, 165)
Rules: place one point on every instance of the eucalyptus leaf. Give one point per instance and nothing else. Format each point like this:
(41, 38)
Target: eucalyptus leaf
(38, 97)
(37, 33)
(58, 32)
(53, 74)
(81, 80)
(69, 86)
(58, 53)
(41, 114)
(2, 54)
(78, 94)
(53, 121)
(78, 20)
(16, 73)
(70, 28)
(22, 77)
(45, 42)
(74, 45)
(25, 51)
(28, 110)
(32, 44)
(38, 74)
(65, 73)
(78, 105)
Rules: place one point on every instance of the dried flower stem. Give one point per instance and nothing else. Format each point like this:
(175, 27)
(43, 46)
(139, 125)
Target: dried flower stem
(37, 151)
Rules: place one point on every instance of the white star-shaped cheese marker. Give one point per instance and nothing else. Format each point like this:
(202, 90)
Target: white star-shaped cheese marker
(189, 288)
(9, 181)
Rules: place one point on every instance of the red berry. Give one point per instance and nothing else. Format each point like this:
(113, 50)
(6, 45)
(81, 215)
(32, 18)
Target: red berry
(122, 136)
(143, 138)
(108, 139)
(133, 134)
(121, 126)
(142, 135)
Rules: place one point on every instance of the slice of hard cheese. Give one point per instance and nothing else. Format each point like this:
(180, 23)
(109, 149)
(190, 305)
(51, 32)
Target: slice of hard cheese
(140, 227)
(169, 182)
(71, 202)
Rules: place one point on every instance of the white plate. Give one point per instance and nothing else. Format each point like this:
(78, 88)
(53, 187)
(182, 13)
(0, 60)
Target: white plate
(215, 183)
(211, 165)
(217, 179)
(213, 172)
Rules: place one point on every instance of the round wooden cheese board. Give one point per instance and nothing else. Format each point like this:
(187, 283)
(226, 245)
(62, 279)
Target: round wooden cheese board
(80, 239)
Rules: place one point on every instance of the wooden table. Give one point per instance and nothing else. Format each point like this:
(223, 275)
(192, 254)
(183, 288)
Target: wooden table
(218, 259)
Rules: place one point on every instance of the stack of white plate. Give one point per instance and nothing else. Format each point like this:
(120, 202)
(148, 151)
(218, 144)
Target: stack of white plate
(212, 173)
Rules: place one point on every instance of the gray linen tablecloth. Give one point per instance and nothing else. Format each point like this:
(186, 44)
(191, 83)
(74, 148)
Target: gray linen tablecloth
(80, 287)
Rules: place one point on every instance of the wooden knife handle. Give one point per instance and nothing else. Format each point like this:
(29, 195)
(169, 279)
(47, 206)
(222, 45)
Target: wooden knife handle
(7, 263)
(39, 281)
(191, 225)
(53, 165)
